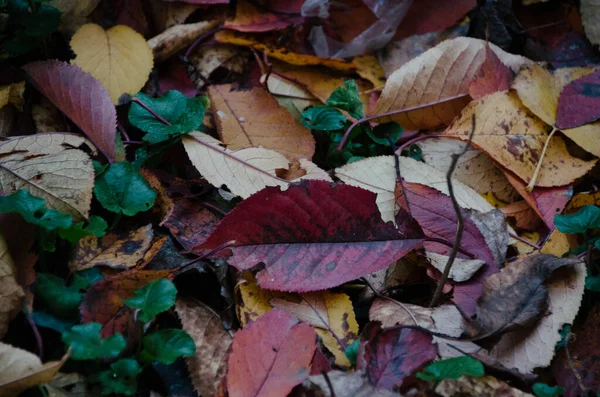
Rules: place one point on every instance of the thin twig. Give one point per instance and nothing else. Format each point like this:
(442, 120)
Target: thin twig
(460, 222)
(448, 244)
(152, 112)
(122, 131)
(570, 361)
(388, 114)
(380, 296)
(328, 383)
(521, 239)
(202, 256)
(536, 173)
(199, 40)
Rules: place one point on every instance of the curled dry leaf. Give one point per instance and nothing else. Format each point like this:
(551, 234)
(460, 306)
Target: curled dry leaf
(116, 250)
(207, 59)
(514, 139)
(50, 167)
(81, 97)
(441, 73)
(355, 384)
(319, 236)
(208, 365)
(462, 269)
(21, 370)
(249, 18)
(118, 57)
(245, 171)
(290, 95)
(252, 118)
(275, 365)
(12, 294)
(178, 37)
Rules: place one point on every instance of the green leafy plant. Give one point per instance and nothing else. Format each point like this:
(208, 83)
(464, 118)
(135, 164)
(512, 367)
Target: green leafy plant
(60, 299)
(167, 345)
(121, 378)
(452, 368)
(86, 343)
(351, 351)
(153, 298)
(329, 124)
(544, 390)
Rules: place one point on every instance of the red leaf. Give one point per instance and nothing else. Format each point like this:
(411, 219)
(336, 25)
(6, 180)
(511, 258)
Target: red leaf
(270, 356)
(393, 356)
(81, 97)
(493, 76)
(250, 18)
(579, 102)
(426, 16)
(312, 236)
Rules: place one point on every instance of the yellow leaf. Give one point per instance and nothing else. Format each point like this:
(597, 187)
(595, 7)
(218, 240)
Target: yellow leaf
(369, 68)
(11, 293)
(254, 301)
(119, 58)
(515, 139)
(440, 74)
(556, 244)
(12, 93)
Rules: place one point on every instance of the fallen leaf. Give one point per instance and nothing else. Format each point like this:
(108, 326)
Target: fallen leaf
(331, 314)
(252, 118)
(81, 97)
(178, 37)
(485, 386)
(514, 139)
(355, 384)
(118, 251)
(21, 370)
(12, 295)
(47, 117)
(304, 251)
(208, 366)
(430, 15)
(118, 57)
(493, 76)
(590, 17)
(290, 95)
(578, 102)
(167, 14)
(190, 223)
(209, 58)
(392, 356)
(163, 205)
(275, 365)
(283, 54)
(369, 68)
(524, 216)
(245, 171)
(462, 269)
(249, 18)
(439, 74)
(51, 167)
(12, 94)
(74, 12)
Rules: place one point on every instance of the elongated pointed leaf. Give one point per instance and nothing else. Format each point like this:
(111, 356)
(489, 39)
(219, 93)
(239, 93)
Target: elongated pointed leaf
(312, 236)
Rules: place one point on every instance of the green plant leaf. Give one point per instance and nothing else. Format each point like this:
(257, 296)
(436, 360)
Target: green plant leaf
(61, 300)
(47, 320)
(185, 115)
(33, 210)
(121, 378)
(452, 368)
(96, 227)
(564, 334)
(351, 352)
(153, 298)
(382, 131)
(121, 188)
(592, 283)
(544, 390)
(167, 345)
(86, 343)
(323, 118)
(346, 98)
(588, 217)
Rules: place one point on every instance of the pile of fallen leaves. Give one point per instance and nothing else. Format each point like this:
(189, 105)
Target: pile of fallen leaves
(305, 198)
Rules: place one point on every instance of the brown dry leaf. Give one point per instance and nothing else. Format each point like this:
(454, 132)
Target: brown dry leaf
(290, 95)
(178, 37)
(369, 68)
(163, 203)
(474, 168)
(344, 384)
(47, 117)
(207, 59)
(484, 386)
(11, 293)
(168, 14)
(252, 118)
(443, 72)
(462, 269)
(74, 13)
(208, 365)
(525, 217)
(330, 313)
(118, 57)
(115, 250)
(21, 370)
(590, 17)
(13, 94)
(244, 171)
(48, 166)
(539, 90)
(514, 139)
(7, 121)
(283, 54)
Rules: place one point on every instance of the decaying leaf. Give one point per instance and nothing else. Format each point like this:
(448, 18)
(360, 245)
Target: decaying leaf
(493, 76)
(12, 94)
(119, 251)
(254, 301)
(118, 57)
(208, 366)
(441, 73)
(51, 167)
(590, 16)
(304, 251)
(514, 139)
(290, 95)
(355, 384)
(485, 386)
(276, 364)
(245, 171)
(249, 18)
(578, 102)
(12, 294)
(47, 117)
(20, 370)
(81, 97)
(252, 118)
(177, 38)
(462, 269)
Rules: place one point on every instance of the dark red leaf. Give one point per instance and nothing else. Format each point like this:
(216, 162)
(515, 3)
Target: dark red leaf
(270, 356)
(312, 236)
(394, 355)
(426, 16)
(493, 76)
(81, 97)
(579, 102)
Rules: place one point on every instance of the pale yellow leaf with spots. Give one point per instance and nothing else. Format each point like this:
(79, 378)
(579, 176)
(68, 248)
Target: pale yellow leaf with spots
(118, 57)
(11, 293)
